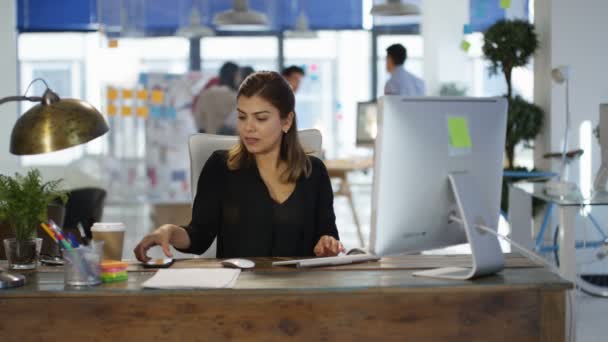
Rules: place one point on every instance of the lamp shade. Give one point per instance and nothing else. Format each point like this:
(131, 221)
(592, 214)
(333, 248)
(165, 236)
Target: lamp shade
(394, 8)
(194, 29)
(301, 29)
(241, 18)
(56, 124)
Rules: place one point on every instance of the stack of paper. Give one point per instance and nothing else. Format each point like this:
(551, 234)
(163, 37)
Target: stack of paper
(193, 278)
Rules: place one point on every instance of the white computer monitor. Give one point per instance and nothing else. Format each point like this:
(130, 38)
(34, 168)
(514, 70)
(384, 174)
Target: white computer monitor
(435, 157)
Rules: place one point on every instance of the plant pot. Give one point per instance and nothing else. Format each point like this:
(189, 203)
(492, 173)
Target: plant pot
(22, 254)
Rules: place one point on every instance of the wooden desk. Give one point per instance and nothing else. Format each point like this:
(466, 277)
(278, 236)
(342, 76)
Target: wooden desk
(371, 302)
(339, 168)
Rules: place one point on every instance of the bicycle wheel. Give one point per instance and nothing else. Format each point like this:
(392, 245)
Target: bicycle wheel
(591, 261)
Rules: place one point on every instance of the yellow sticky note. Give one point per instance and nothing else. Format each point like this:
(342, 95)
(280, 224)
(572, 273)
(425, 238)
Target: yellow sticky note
(465, 46)
(458, 128)
(127, 94)
(143, 112)
(157, 97)
(142, 94)
(112, 110)
(112, 93)
(126, 111)
(505, 4)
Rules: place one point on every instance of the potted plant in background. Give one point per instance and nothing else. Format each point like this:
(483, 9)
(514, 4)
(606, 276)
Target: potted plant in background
(509, 44)
(452, 89)
(24, 203)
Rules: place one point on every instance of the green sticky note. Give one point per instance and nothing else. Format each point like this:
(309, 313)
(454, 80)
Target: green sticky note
(459, 132)
(505, 4)
(465, 46)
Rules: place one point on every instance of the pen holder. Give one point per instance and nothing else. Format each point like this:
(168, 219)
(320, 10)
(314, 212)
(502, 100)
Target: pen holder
(83, 264)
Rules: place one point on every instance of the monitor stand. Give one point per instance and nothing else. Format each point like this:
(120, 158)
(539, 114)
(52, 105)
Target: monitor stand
(486, 254)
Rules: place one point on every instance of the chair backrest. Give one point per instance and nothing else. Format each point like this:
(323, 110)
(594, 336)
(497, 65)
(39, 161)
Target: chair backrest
(202, 145)
(85, 205)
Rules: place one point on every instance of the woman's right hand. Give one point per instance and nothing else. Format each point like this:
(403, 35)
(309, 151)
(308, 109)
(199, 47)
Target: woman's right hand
(160, 237)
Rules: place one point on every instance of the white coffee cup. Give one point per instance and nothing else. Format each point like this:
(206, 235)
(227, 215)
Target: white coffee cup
(113, 235)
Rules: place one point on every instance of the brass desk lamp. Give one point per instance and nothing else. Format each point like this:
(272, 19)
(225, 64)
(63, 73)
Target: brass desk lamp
(52, 125)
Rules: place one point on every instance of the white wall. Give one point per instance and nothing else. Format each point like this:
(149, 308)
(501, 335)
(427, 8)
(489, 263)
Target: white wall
(8, 81)
(571, 33)
(442, 30)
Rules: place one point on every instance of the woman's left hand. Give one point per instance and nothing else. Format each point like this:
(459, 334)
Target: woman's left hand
(328, 246)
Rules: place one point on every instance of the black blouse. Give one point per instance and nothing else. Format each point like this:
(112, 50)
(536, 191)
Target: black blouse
(236, 207)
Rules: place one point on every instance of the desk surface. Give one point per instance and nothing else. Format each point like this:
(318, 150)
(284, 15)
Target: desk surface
(389, 273)
(368, 302)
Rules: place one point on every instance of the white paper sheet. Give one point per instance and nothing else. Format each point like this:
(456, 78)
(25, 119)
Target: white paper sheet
(193, 278)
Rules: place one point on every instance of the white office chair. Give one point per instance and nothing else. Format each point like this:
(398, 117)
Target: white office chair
(202, 145)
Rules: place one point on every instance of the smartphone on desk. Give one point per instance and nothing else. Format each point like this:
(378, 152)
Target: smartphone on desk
(158, 263)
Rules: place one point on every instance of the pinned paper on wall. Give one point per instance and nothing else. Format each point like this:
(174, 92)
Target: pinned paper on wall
(127, 94)
(465, 46)
(112, 110)
(142, 112)
(112, 93)
(467, 29)
(458, 128)
(157, 97)
(505, 4)
(142, 94)
(126, 111)
(156, 112)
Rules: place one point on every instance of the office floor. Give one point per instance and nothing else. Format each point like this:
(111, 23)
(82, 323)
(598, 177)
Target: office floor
(591, 313)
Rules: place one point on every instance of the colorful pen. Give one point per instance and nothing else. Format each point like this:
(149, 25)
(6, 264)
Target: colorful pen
(48, 231)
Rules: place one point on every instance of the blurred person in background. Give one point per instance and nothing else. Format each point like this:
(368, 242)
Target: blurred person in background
(293, 75)
(213, 107)
(401, 82)
(244, 72)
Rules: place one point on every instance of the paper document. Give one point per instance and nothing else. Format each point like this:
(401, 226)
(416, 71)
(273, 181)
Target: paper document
(193, 278)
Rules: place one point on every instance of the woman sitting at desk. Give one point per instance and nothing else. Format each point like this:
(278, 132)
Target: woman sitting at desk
(264, 197)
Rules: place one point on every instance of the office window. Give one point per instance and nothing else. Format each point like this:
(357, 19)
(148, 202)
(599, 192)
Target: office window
(159, 54)
(337, 77)
(258, 52)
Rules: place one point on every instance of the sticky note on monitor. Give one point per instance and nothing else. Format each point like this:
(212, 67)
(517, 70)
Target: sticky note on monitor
(458, 128)
(505, 4)
(465, 46)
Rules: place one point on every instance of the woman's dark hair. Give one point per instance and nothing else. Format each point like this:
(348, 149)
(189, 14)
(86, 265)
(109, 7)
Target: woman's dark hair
(228, 73)
(272, 87)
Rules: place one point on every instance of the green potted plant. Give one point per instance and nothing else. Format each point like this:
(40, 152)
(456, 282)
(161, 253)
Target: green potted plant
(23, 206)
(509, 44)
(452, 89)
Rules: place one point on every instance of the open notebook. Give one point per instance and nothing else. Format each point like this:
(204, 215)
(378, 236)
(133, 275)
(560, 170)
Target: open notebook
(353, 256)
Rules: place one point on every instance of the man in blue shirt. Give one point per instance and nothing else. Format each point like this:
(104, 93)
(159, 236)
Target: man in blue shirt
(401, 82)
